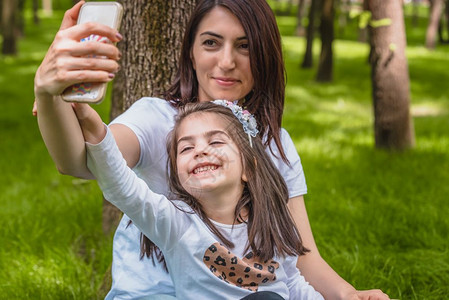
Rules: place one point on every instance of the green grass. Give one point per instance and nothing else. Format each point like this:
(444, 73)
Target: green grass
(379, 218)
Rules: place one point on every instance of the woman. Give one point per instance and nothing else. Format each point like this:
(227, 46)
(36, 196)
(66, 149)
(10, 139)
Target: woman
(227, 53)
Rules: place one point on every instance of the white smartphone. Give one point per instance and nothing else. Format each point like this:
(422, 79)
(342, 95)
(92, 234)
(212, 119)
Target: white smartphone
(107, 13)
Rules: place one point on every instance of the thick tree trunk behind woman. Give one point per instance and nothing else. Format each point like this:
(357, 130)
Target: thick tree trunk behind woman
(153, 31)
(390, 78)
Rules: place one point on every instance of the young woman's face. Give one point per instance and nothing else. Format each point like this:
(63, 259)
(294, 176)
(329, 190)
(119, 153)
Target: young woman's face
(220, 57)
(208, 161)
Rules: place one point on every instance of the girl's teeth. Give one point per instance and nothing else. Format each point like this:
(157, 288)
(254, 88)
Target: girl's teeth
(204, 169)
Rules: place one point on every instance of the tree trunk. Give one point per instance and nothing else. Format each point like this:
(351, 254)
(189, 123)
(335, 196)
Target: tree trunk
(20, 19)
(390, 78)
(308, 55)
(446, 17)
(299, 15)
(9, 14)
(436, 9)
(415, 13)
(325, 67)
(36, 19)
(47, 6)
(344, 10)
(153, 32)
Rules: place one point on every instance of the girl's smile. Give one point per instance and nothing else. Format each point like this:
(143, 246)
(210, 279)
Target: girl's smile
(206, 167)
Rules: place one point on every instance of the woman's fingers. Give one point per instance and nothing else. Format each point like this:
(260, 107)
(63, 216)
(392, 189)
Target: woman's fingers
(71, 16)
(81, 31)
(69, 61)
(73, 77)
(92, 63)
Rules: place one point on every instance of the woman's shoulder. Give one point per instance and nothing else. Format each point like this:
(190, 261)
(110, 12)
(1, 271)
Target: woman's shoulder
(153, 103)
(147, 109)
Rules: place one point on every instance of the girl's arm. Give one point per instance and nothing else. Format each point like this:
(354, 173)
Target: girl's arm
(65, 64)
(152, 213)
(316, 271)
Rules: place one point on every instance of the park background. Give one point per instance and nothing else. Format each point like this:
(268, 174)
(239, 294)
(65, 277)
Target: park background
(379, 217)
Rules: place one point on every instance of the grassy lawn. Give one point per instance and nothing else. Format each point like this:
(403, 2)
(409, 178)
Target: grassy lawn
(379, 218)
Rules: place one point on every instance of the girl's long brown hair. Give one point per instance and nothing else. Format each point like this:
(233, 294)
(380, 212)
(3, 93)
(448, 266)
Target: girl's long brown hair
(271, 229)
(265, 101)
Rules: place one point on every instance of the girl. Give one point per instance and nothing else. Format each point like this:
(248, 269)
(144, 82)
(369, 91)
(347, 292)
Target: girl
(230, 233)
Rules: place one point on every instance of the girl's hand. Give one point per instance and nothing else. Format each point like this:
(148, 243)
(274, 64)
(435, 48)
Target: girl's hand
(90, 121)
(67, 61)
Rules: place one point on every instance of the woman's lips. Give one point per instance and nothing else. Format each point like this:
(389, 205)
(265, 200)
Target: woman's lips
(225, 81)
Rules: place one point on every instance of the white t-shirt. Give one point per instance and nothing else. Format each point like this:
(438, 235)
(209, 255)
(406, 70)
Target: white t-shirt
(151, 119)
(199, 265)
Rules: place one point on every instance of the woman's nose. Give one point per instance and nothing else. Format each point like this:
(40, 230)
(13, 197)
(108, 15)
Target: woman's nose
(227, 59)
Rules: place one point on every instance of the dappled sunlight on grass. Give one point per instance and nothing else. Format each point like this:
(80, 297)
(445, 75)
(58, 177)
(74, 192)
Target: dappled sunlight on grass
(375, 213)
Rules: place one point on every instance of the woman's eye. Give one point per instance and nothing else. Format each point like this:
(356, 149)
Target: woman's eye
(244, 46)
(209, 43)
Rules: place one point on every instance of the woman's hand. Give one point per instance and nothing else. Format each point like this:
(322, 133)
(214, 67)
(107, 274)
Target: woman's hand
(372, 295)
(366, 295)
(67, 61)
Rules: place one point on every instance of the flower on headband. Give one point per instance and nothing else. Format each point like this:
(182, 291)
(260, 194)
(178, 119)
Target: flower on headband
(245, 117)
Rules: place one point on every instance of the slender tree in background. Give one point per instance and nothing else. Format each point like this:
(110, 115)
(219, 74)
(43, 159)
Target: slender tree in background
(47, 6)
(308, 55)
(20, 19)
(446, 17)
(436, 10)
(390, 78)
(300, 31)
(415, 13)
(153, 31)
(8, 21)
(36, 19)
(325, 67)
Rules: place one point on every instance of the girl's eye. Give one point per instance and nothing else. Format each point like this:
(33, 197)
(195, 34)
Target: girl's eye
(185, 149)
(216, 143)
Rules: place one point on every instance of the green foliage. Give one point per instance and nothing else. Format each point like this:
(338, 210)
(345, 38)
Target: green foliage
(50, 225)
(379, 218)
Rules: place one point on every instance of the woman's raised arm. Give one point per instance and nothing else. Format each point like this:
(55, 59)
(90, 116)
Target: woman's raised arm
(68, 61)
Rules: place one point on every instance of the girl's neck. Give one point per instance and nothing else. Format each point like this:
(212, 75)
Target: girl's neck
(221, 208)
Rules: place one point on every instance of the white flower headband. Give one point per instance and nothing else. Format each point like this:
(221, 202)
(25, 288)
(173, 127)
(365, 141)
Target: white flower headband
(245, 117)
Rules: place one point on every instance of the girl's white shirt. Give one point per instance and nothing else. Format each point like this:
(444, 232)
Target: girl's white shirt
(182, 236)
(151, 119)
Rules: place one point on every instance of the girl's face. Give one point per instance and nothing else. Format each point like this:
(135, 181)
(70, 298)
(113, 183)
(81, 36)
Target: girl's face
(208, 161)
(220, 57)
